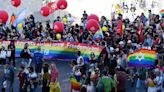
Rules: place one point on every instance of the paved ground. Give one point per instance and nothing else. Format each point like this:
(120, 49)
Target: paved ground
(64, 71)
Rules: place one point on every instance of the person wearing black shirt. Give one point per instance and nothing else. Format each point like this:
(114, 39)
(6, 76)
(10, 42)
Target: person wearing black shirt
(11, 47)
(92, 59)
(26, 55)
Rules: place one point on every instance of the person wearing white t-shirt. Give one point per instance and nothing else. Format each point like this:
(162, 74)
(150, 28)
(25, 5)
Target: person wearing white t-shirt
(32, 77)
(80, 63)
(3, 55)
(70, 19)
(80, 60)
(159, 80)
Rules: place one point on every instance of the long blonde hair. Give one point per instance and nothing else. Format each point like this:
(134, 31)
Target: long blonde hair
(53, 67)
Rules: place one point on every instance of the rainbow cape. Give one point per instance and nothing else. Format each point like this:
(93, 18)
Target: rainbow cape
(142, 58)
(74, 83)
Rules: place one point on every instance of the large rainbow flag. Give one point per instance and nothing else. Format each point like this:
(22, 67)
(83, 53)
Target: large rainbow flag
(74, 83)
(142, 58)
(61, 51)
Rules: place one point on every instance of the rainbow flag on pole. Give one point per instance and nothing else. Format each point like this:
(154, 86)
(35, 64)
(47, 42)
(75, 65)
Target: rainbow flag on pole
(74, 83)
(142, 58)
(162, 12)
(20, 17)
(98, 35)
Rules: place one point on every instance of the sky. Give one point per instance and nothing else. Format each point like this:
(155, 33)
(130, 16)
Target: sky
(98, 7)
(104, 7)
(76, 7)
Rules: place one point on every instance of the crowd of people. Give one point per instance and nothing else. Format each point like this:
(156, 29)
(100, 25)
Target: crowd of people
(29, 75)
(108, 73)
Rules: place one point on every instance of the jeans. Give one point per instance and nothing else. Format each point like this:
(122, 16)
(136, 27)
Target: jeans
(143, 85)
(9, 87)
(2, 61)
(159, 91)
(12, 58)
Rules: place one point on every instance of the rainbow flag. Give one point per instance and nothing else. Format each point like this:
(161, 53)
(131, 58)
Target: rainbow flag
(162, 12)
(74, 83)
(142, 58)
(65, 51)
(20, 17)
(98, 35)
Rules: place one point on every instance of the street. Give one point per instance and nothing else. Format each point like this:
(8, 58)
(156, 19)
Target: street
(64, 73)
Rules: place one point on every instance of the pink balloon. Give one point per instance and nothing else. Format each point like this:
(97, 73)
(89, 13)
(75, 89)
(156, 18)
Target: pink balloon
(15, 3)
(92, 25)
(45, 11)
(93, 16)
(62, 4)
(58, 27)
(3, 16)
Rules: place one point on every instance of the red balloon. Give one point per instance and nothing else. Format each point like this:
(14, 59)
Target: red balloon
(16, 3)
(53, 6)
(3, 16)
(45, 11)
(58, 27)
(93, 16)
(62, 4)
(92, 25)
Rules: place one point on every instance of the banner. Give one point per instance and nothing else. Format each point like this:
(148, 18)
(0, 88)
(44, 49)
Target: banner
(63, 50)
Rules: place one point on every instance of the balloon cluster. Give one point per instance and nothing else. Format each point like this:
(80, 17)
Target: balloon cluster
(93, 24)
(4, 15)
(53, 6)
(58, 28)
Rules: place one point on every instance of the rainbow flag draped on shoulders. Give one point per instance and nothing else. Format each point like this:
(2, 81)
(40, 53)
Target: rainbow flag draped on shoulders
(74, 83)
(142, 58)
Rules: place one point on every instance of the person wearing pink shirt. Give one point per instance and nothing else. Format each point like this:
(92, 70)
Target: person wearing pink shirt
(54, 84)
